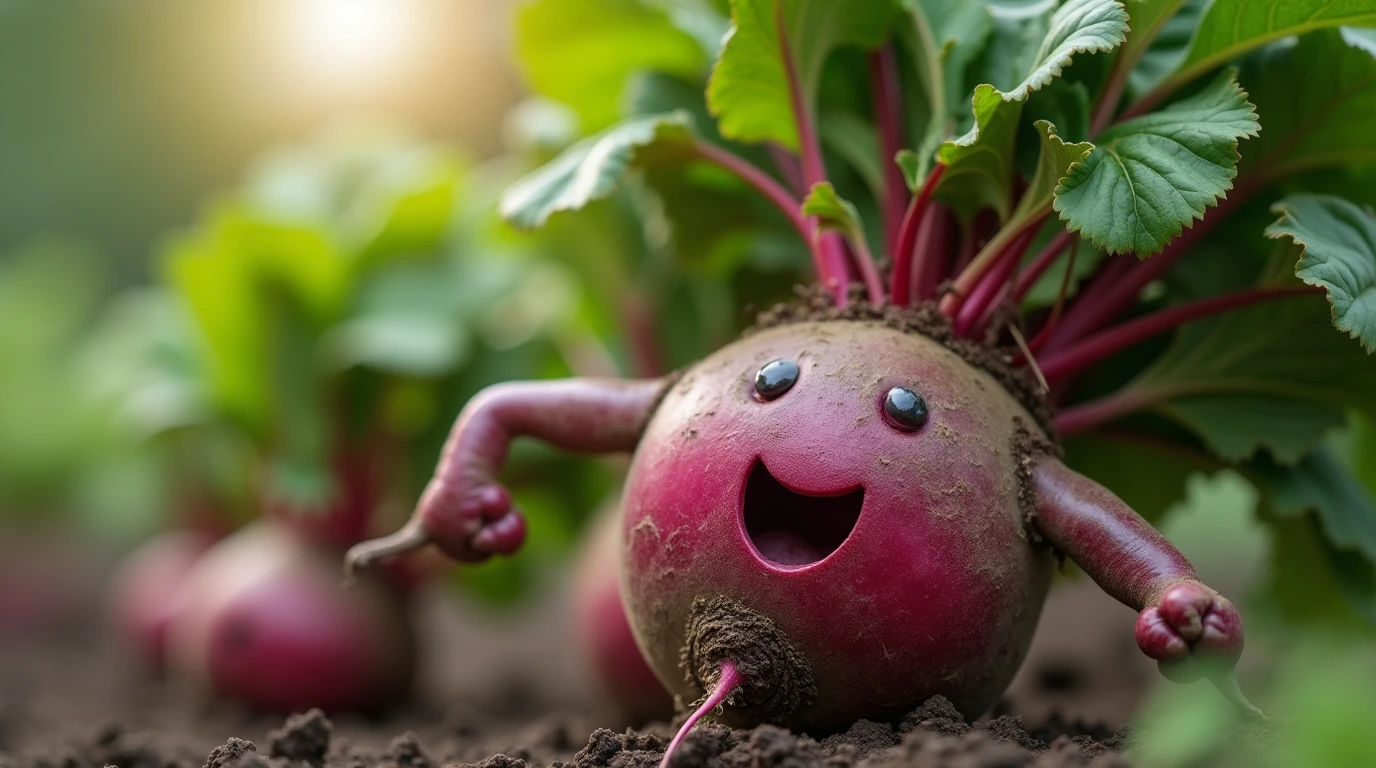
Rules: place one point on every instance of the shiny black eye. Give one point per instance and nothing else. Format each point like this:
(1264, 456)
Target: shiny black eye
(905, 409)
(776, 378)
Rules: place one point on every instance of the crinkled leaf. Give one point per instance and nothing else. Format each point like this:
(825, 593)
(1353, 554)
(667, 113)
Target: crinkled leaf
(1011, 48)
(835, 213)
(1150, 176)
(1078, 26)
(1325, 118)
(581, 52)
(1339, 253)
(1064, 104)
(749, 89)
(979, 163)
(1231, 28)
(590, 170)
(1054, 161)
(1320, 483)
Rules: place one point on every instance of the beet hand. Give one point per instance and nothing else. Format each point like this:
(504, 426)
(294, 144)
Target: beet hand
(464, 510)
(1194, 632)
(1190, 629)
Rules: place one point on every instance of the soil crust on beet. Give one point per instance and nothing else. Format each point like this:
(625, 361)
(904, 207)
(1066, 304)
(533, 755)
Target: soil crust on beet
(777, 678)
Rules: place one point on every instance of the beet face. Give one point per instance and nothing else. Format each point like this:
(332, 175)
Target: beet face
(267, 620)
(895, 559)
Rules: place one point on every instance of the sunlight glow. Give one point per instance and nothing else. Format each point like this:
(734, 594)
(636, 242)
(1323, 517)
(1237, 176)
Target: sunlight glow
(347, 41)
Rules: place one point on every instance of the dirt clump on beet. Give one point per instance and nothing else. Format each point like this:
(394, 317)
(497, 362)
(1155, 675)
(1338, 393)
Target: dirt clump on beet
(814, 304)
(1029, 447)
(778, 679)
(304, 737)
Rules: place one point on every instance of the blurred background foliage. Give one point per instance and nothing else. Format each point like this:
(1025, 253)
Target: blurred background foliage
(248, 247)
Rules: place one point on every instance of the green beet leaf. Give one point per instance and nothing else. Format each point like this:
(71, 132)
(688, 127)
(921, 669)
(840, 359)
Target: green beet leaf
(1321, 484)
(836, 213)
(1054, 161)
(980, 163)
(1317, 101)
(590, 170)
(749, 89)
(1270, 376)
(1150, 176)
(1231, 28)
(1339, 253)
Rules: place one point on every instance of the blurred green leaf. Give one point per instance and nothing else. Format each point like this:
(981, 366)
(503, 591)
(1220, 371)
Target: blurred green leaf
(1159, 37)
(856, 141)
(1338, 242)
(1230, 28)
(835, 213)
(1320, 483)
(1238, 424)
(1299, 370)
(1310, 582)
(583, 52)
(1323, 120)
(590, 170)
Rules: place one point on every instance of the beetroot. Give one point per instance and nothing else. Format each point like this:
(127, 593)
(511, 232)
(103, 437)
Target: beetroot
(267, 621)
(897, 563)
(145, 595)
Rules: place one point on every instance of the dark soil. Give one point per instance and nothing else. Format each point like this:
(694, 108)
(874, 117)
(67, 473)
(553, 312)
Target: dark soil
(933, 735)
(499, 693)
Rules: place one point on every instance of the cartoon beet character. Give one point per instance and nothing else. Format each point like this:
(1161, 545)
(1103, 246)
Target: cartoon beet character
(860, 503)
(853, 513)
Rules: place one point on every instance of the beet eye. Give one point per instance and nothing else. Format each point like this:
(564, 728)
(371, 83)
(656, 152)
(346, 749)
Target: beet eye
(776, 378)
(905, 408)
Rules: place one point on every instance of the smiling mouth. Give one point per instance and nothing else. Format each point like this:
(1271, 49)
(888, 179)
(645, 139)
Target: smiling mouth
(791, 528)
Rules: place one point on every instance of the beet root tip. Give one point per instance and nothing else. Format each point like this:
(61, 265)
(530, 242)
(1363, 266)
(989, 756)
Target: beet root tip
(729, 678)
(1226, 684)
(409, 538)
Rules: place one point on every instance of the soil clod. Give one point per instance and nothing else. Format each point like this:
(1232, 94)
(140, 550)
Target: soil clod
(304, 737)
(229, 754)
